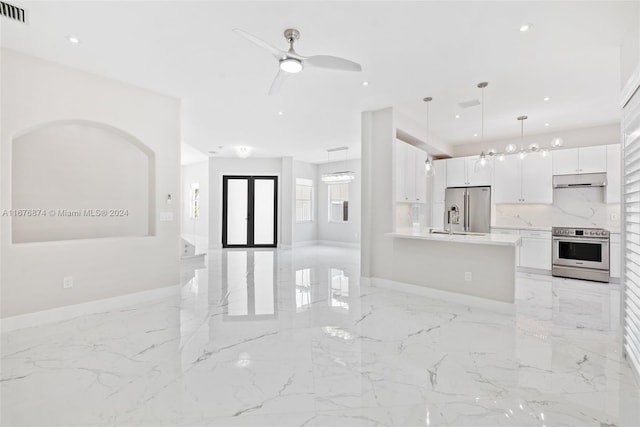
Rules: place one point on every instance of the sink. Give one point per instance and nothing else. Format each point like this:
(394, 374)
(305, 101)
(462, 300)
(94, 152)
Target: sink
(458, 233)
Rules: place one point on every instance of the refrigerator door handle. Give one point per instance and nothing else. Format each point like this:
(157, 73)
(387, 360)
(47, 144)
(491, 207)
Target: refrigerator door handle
(467, 200)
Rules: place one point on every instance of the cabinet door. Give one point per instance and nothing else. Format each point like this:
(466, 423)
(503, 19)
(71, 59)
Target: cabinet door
(439, 180)
(476, 175)
(456, 173)
(613, 173)
(593, 159)
(565, 162)
(537, 178)
(410, 173)
(535, 253)
(400, 174)
(614, 259)
(419, 160)
(507, 186)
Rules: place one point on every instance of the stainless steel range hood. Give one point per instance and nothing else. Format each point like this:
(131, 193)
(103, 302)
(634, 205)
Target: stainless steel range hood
(581, 180)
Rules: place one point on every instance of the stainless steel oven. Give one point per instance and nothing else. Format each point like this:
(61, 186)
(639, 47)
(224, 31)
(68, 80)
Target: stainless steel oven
(581, 253)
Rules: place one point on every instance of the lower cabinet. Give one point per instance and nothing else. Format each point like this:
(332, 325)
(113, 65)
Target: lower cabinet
(534, 250)
(615, 261)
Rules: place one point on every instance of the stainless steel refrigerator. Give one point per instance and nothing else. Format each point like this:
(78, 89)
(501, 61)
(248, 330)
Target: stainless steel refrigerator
(468, 209)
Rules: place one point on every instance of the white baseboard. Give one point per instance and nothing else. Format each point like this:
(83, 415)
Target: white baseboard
(70, 311)
(336, 243)
(483, 303)
(305, 243)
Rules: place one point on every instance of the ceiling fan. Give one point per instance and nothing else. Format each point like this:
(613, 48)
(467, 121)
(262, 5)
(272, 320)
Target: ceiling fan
(291, 62)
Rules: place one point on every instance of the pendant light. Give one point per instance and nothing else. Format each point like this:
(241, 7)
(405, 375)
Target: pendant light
(482, 163)
(522, 152)
(428, 164)
(342, 177)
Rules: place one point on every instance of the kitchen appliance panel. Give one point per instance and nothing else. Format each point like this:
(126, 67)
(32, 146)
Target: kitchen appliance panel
(581, 253)
(479, 209)
(468, 209)
(454, 209)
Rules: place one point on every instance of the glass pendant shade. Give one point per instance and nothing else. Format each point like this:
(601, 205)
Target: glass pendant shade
(429, 168)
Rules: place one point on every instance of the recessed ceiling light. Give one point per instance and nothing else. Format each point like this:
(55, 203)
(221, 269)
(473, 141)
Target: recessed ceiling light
(546, 98)
(475, 134)
(546, 124)
(280, 113)
(525, 27)
(73, 40)
(457, 116)
(365, 83)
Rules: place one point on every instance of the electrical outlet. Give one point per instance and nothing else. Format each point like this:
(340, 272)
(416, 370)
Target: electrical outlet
(67, 282)
(467, 276)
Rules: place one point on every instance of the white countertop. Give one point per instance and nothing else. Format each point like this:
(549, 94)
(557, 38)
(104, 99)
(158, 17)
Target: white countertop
(487, 239)
(522, 227)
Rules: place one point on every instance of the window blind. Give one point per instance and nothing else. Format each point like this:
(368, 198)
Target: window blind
(631, 197)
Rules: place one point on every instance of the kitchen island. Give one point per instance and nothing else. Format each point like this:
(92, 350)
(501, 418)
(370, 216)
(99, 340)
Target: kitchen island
(478, 265)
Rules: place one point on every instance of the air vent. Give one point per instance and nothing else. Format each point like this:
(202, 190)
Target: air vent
(468, 104)
(13, 12)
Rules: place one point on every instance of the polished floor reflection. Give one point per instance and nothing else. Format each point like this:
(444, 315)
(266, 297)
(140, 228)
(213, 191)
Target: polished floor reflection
(291, 338)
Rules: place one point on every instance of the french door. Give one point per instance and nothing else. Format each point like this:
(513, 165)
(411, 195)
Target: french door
(249, 211)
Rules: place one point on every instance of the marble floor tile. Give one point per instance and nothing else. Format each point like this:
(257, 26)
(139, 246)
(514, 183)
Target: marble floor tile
(292, 338)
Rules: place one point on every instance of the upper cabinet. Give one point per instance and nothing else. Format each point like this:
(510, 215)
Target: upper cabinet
(614, 172)
(527, 180)
(580, 160)
(411, 177)
(462, 172)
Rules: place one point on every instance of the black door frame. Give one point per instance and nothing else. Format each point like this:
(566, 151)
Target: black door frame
(250, 210)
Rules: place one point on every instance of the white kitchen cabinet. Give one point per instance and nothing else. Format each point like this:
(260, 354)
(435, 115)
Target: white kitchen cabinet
(462, 172)
(615, 254)
(439, 180)
(535, 249)
(507, 184)
(613, 173)
(420, 176)
(527, 180)
(456, 172)
(580, 160)
(410, 175)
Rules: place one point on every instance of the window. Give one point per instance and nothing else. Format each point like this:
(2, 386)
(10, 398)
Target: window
(304, 200)
(338, 202)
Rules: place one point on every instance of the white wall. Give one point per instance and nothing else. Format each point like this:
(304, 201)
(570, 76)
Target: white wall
(195, 231)
(378, 138)
(219, 166)
(306, 231)
(36, 92)
(596, 135)
(348, 232)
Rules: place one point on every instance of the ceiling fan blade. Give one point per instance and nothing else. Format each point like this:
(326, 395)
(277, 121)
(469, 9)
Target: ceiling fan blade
(277, 53)
(332, 62)
(277, 82)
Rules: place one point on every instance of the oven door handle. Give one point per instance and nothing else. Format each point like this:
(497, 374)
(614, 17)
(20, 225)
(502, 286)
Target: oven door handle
(585, 240)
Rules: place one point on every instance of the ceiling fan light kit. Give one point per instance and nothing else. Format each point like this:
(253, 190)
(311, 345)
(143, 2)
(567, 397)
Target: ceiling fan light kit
(290, 62)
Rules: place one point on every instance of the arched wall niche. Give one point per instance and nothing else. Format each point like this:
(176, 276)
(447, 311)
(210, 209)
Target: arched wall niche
(79, 179)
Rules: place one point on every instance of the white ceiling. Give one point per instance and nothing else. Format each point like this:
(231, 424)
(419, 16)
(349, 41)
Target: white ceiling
(408, 50)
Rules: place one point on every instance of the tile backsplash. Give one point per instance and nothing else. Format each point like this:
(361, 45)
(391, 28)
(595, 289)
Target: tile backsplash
(572, 207)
